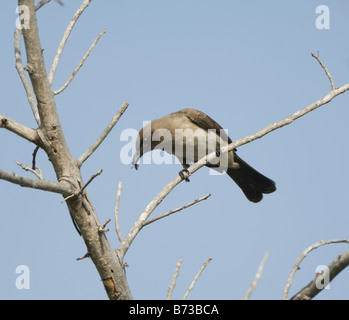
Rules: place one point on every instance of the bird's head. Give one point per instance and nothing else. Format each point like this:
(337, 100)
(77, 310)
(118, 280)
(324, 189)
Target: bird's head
(144, 142)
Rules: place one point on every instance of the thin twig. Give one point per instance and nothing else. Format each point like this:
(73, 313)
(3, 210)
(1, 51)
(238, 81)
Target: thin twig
(84, 187)
(325, 69)
(25, 81)
(34, 158)
(105, 133)
(196, 278)
(173, 280)
(65, 37)
(116, 212)
(80, 65)
(176, 210)
(103, 227)
(28, 168)
(258, 275)
(300, 259)
(87, 255)
(90, 180)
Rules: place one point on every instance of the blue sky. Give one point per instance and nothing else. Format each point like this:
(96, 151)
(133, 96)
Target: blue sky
(246, 64)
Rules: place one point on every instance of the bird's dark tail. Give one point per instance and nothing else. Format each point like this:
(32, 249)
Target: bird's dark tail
(252, 183)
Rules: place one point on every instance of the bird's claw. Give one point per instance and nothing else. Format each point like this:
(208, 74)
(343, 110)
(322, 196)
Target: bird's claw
(184, 174)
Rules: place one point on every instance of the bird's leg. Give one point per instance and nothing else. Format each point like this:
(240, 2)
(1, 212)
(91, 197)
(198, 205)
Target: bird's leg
(233, 164)
(218, 152)
(184, 174)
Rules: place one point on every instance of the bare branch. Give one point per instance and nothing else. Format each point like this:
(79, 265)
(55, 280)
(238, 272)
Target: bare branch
(56, 187)
(25, 81)
(173, 280)
(311, 290)
(127, 241)
(300, 259)
(80, 65)
(64, 40)
(258, 275)
(176, 210)
(196, 278)
(196, 166)
(107, 130)
(272, 127)
(28, 168)
(20, 129)
(325, 69)
(116, 212)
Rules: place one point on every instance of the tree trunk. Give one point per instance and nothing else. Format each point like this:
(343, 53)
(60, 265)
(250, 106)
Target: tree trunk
(50, 133)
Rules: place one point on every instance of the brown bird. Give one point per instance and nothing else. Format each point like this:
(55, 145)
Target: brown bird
(190, 135)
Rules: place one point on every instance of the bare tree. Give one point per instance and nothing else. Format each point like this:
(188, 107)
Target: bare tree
(49, 137)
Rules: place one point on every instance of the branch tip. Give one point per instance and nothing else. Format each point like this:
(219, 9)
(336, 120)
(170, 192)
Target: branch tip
(317, 57)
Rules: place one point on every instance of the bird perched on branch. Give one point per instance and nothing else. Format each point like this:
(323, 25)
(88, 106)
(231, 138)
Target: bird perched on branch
(190, 135)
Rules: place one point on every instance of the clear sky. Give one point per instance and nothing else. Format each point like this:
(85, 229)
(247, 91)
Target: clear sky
(245, 63)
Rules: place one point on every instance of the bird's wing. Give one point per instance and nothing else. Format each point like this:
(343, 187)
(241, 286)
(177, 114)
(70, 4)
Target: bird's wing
(205, 122)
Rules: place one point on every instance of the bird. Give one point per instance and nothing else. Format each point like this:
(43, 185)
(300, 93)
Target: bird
(190, 134)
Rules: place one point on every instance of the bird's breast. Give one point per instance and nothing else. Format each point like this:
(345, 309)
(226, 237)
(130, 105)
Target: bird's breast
(190, 146)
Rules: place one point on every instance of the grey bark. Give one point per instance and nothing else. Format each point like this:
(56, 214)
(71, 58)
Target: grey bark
(110, 268)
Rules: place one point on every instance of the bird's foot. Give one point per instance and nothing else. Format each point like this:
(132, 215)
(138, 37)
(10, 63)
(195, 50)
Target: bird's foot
(184, 174)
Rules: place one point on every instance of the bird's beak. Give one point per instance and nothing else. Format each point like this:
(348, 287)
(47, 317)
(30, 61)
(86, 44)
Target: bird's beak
(136, 157)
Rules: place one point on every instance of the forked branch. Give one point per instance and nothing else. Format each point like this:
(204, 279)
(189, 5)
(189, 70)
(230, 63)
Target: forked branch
(65, 38)
(62, 187)
(300, 259)
(313, 288)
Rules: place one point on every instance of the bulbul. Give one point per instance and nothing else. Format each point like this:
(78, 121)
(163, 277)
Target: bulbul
(190, 135)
